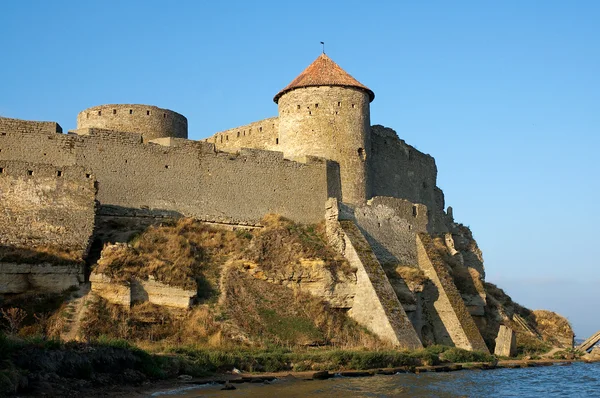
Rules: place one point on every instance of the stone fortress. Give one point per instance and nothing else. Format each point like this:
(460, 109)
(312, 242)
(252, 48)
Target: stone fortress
(319, 159)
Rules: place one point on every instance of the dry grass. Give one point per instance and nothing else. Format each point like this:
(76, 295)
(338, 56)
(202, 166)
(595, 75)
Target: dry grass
(411, 275)
(282, 243)
(553, 327)
(178, 254)
(274, 314)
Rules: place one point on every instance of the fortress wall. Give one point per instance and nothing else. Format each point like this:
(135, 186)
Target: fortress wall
(150, 121)
(399, 170)
(18, 125)
(390, 226)
(44, 205)
(184, 176)
(263, 134)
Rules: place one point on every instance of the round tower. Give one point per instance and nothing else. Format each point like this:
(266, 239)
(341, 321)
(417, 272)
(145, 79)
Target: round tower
(325, 112)
(149, 121)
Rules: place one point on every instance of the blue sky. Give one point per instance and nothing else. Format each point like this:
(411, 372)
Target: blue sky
(505, 95)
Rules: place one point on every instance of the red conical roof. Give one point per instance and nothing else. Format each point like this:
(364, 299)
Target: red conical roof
(324, 72)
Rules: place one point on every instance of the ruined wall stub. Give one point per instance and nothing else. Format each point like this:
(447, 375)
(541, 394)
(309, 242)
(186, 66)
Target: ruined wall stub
(446, 302)
(506, 342)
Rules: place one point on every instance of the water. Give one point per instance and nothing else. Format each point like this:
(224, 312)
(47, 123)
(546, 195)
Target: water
(576, 380)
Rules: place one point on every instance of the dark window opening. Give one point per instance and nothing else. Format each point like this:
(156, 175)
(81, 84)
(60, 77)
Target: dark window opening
(276, 141)
(353, 105)
(361, 153)
(148, 113)
(415, 211)
(238, 134)
(244, 133)
(167, 166)
(88, 175)
(164, 115)
(99, 113)
(59, 173)
(260, 129)
(29, 172)
(114, 111)
(298, 107)
(309, 112)
(1, 170)
(316, 105)
(226, 138)
(131, 111)
(339, 104)
(87, 115)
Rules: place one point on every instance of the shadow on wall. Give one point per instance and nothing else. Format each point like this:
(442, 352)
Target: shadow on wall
(43, 254)
(440, 334)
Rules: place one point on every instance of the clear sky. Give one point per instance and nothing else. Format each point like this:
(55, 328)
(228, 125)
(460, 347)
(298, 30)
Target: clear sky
(505, 95)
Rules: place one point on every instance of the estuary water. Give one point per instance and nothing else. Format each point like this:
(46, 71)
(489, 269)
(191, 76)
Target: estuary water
(574, 380)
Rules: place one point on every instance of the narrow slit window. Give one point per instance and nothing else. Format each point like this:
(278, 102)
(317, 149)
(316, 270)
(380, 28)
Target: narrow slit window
(114, 111)
(339, 104)
(238, 134)
(1, 170)
(415, 211)
(353, 105)
(164, 115)
(59, 173)
(276, 141)
(29, 172)
(148, 113)
(99, 113)
(131, 111)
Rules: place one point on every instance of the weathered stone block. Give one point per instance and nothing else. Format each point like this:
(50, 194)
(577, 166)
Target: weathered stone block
(506, 342)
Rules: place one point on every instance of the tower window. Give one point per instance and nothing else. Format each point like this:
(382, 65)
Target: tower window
(361, 154)
(415, 211)
(226, 138)
(59, 173)
(316, 105)
(131, 111)
(1, 170)
(276, 141)
(88, 175)
(29, 172)
(353, 105)
(164, 115)
(339, 104)
(298, 107)
(99, 113)
(309, 112)
(114, 111)
(148, 113)
(238, 134)
(260, 129)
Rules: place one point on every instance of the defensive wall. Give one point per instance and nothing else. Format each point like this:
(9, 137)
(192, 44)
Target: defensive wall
(149, 121)
(263, 134)
(184, 176)
(46, 206)
(401, 171)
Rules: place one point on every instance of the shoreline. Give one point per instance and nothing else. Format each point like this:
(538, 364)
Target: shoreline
(229, 380)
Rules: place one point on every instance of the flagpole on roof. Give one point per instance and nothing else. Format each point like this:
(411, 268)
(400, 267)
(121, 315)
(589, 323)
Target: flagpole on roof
(323, 44)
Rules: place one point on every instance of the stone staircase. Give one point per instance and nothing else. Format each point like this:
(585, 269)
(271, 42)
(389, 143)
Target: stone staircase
(76, 310)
